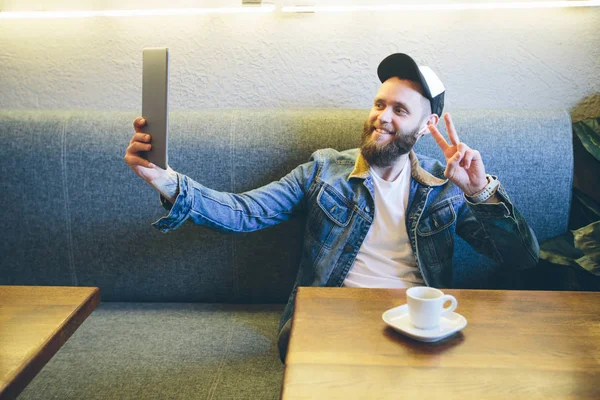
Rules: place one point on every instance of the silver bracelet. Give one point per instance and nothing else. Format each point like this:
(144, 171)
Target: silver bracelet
(488, 191)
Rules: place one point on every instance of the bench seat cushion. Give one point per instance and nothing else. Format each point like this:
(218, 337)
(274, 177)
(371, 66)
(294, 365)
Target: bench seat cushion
(167, 351)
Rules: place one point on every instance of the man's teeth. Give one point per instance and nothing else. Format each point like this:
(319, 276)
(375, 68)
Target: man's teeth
(382, 131)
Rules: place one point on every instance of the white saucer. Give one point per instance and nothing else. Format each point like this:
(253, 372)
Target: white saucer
(398, 319)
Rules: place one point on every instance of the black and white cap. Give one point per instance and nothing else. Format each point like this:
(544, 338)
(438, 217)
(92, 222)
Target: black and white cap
(404, 67)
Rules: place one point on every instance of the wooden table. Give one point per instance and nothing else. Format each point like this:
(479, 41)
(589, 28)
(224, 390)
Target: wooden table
(516, 345)
(35, 321)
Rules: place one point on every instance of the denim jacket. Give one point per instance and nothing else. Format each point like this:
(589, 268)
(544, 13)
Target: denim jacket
(335, 191)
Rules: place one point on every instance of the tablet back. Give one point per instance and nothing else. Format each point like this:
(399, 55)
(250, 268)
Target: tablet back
(155, 88)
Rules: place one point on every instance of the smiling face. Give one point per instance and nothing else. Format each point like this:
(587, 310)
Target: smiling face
(395, 123)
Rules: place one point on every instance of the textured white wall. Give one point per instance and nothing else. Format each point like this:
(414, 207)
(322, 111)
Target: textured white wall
(514, 58)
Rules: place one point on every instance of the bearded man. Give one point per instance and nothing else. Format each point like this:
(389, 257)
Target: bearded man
(378, 217)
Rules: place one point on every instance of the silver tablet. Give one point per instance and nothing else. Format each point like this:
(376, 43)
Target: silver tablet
(155, 90)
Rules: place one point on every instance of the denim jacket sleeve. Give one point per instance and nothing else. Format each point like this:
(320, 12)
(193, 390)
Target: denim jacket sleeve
(499, 231)
(233, 213)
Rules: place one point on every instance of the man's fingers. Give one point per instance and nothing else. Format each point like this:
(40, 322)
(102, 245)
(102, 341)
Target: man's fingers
(466, 161)
(439, 139)
(139, 123)
(451, 130)
(141, 137)
(463, 149)
(135, 160)
(453, 163)
(137, 147)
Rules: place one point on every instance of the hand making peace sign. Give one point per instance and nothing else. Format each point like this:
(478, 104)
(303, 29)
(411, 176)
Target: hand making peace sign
(464, 166)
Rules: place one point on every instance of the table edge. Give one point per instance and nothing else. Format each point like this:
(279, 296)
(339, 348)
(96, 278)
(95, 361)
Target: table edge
(23, 376)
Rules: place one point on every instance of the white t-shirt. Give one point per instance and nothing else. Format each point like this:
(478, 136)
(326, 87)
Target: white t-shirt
(386, 259)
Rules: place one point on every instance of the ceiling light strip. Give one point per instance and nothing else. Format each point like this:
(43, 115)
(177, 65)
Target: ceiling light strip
(135, 13)
(445, 6)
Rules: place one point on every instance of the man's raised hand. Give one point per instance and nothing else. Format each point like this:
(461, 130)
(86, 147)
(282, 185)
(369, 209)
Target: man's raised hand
(164, 181)
(464, 166)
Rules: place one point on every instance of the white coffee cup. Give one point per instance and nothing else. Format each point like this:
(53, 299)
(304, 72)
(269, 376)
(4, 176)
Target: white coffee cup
(426, 306)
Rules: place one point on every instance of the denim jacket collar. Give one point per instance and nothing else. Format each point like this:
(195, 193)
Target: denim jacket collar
(361, 170)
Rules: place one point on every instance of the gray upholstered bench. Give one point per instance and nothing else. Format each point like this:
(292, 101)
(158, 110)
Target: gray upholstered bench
(194, 313)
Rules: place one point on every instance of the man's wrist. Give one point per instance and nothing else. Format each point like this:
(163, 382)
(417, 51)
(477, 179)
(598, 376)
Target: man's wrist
(485, 194)
(493, 200)
(168, 186)
(485, 182)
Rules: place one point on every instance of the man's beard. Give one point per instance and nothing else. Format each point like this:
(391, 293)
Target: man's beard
(384, 155)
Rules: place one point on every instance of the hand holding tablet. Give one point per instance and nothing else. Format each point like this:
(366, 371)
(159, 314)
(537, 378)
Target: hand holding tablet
(147, 150)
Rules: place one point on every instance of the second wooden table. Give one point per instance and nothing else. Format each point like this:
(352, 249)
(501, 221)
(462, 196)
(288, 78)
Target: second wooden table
(517, 344)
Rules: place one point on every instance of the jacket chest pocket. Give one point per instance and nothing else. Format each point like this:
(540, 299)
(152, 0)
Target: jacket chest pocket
(330, 215)
(437, 220)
